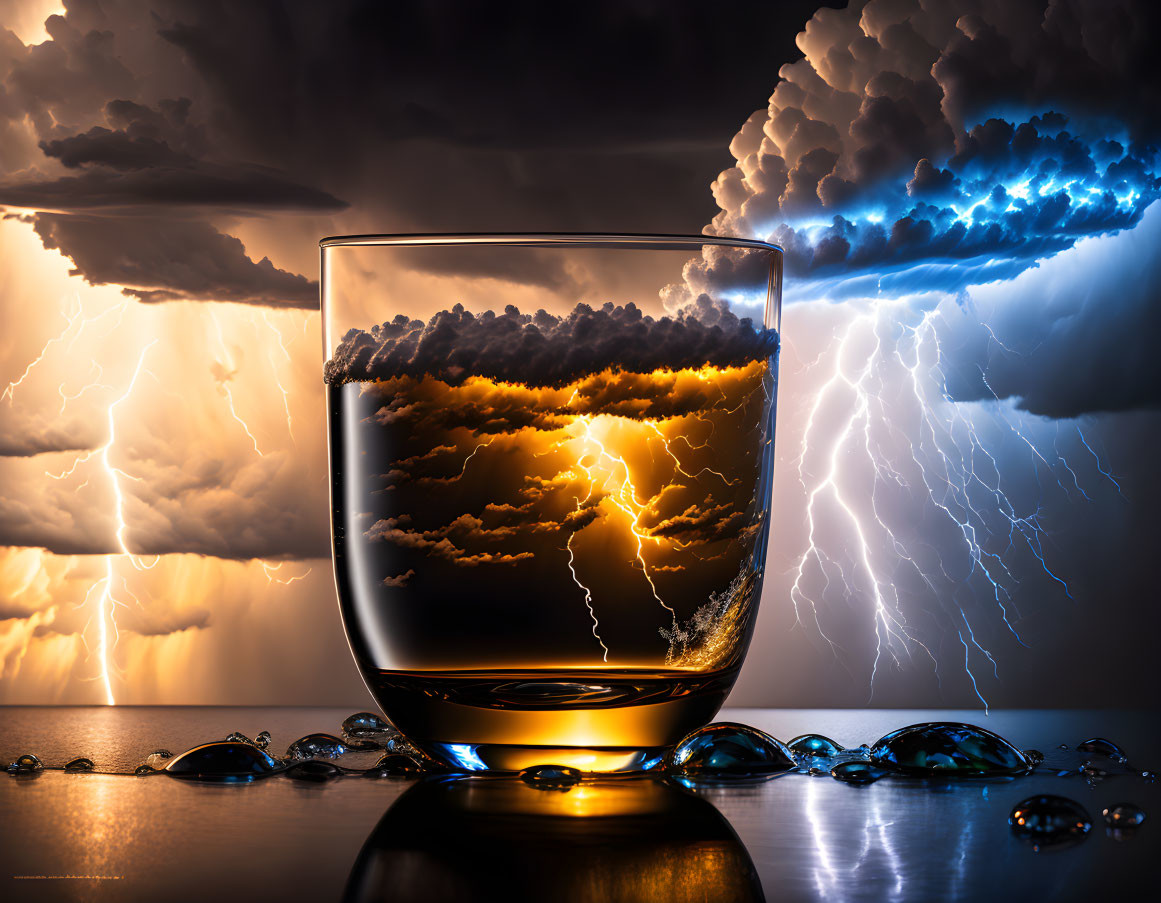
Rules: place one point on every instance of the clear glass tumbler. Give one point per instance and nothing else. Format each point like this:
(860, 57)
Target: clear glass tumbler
(550, 465)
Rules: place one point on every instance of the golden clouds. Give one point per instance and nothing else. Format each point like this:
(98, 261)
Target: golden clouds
(634, 492)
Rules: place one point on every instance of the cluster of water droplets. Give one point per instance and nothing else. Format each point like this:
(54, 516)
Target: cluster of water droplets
(723, 752)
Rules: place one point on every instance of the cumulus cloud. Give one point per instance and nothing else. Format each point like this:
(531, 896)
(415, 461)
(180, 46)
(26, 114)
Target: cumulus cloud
(934, 133)
(171, 259)
(542, 349)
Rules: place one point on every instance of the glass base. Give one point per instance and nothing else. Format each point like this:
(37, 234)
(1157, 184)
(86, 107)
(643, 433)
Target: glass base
(500, 757)
(595, 721)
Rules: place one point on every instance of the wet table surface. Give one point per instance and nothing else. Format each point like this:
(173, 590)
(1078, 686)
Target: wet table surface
(797, 837)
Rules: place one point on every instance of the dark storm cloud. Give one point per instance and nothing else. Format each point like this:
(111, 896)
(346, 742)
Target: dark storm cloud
(149, 189)
(1079, 334)
(544, 350)
(909, 134)
(51, 439)
(171, 259)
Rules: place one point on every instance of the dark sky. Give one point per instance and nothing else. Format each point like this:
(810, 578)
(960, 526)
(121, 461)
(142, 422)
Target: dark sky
(184, 150)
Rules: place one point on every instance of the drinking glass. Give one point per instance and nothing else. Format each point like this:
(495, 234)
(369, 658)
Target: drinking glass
(550, 462)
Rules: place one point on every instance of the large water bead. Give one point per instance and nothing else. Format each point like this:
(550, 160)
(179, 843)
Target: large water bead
(25, 764)
(365, 724)
(856, 772)
(815, 745)
(1103, 747)
(947, 748)
(729, 750)
(316, 746)
(551, 777)
(226, 761)
(1124, 816)
(1050, 821)
(393, 765)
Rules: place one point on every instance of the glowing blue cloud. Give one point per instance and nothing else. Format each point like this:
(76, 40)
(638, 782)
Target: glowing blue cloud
(1010, 194)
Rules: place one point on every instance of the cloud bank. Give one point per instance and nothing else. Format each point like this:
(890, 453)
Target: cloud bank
(545, 350)
(956, 134)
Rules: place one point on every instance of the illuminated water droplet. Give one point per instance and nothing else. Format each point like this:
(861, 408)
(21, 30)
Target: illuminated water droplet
(1093, 773)
(948, 749)
(236, 737)
(395, 765)
(1123, 816)
(1034, 756)
(262, 740)
(316, 746)
(1103, 747)
(1064, 746)
(162, 754)
(25, 764)
(222, 761)
(729, 750)
(551, 777)
(1050, 822)
(80, 764)
(313, 770)
(817, 772)
(814, 745)
(363, 724)
(856, 772)
(1148, 776)
(862, 751)
(144, 769)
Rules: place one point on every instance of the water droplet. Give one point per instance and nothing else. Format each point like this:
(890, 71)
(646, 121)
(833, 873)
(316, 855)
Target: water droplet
(948, 748)
(162, 754)
(222, 761)
(856, 772)
(817, 772)
(1034, 756)
(729, 750)
(1103, 747)
(862, 751)
(25, 764)
(395, 765)
(262, 740)
(364, 724)
(1093, 773)
(1064, 746)
(313, 770)
(814, 745)
(316, 746)
(1148, 776)
(79, 764)
(144, 769)
(236, 737)
(551, 777)
(1050, 821)
(1123, 816)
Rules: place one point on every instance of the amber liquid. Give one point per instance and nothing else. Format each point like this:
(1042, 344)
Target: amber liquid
(564, 574)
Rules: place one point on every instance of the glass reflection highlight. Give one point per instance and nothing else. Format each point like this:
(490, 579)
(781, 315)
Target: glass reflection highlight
(500, 838)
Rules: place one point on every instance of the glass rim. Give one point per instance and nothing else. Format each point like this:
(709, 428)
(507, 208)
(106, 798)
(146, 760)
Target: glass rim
(533, 239)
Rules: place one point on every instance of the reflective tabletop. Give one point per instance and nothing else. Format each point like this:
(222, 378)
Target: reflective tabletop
(795, 837)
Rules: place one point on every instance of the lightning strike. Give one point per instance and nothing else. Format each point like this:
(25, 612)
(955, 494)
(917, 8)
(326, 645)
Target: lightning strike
(274, 369)
(921, 444)
(227, 372)
(106, 601)
(271, 572)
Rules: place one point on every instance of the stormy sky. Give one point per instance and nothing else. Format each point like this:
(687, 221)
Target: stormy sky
(168, 167)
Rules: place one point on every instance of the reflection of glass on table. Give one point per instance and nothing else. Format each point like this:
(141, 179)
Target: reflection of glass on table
(485, 839)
